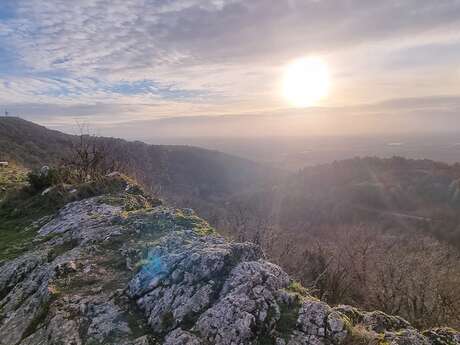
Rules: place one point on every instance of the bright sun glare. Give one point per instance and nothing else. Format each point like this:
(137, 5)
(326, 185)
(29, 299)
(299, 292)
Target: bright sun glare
(306, 81)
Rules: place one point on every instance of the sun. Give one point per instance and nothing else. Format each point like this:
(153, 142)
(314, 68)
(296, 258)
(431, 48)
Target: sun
(305, 82)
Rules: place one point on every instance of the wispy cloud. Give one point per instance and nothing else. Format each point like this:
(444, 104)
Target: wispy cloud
(191, 57)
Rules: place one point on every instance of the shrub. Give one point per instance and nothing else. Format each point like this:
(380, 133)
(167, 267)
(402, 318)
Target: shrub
(42, 179)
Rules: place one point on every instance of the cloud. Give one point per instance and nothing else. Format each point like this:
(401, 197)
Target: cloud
(396, 116)
(220, 56)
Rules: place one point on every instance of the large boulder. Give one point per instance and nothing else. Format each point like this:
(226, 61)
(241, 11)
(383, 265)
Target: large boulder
(102, 272)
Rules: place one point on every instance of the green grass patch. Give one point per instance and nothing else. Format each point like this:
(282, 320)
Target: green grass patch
(195, 223)
(18, 212)
(129, 202)
(289, 312)
(11, 178)
(287, 322)
(21, 206)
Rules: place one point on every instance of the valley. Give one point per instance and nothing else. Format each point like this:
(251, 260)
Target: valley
(326, 225)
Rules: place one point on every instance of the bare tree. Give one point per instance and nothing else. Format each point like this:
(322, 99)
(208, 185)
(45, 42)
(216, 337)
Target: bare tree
(89, 158)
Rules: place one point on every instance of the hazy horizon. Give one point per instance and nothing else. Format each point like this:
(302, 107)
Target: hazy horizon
(200, 68)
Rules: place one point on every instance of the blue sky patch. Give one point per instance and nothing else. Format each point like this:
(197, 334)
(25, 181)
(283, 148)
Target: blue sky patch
(144, 87)
(7, 9)
(133, 88)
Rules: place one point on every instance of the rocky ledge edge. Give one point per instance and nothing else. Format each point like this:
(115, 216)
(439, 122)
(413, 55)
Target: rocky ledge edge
(119, 270)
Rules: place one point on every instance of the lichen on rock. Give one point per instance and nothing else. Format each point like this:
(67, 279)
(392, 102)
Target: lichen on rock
(103, 273)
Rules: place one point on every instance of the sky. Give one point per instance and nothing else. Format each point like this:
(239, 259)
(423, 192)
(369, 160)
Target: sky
(214, 67)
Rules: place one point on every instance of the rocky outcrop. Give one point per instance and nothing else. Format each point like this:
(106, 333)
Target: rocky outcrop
(104, 273)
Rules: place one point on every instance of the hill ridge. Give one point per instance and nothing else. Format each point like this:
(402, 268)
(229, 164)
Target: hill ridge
(179, 172)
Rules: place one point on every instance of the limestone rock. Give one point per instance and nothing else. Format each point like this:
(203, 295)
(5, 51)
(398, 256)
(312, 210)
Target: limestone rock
(98, 274)
(181, 337)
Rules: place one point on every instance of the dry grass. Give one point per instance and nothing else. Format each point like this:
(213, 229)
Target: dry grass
(360, 335)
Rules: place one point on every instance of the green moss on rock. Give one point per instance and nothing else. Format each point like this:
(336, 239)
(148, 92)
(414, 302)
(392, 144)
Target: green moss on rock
(297, 288)
(442, 336)
(361, 336)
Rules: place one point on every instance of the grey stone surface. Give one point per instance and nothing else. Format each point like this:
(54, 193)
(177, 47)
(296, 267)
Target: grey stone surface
(100, 275)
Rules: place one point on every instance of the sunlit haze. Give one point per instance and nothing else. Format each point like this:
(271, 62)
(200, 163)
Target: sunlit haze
(305, 82)
(232, 67)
